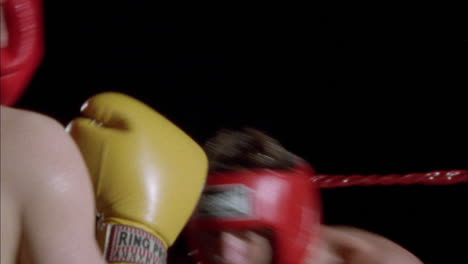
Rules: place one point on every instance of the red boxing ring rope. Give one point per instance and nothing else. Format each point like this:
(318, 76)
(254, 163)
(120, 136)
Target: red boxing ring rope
(443, 177)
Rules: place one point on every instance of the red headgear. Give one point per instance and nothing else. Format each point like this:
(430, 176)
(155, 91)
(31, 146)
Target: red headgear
(24, 50)
(283, 201)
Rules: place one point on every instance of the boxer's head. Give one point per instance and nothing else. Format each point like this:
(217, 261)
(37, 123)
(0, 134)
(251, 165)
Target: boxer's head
(21, 42)
(259, 205)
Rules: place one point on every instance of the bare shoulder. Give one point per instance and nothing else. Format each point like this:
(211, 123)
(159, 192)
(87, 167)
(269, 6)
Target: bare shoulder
(47, 180)
(362, 246)
(25, 121)
(37, 151)
(25, 132)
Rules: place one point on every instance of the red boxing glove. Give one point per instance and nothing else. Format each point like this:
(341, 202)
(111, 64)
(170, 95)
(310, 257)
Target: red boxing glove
(24, 47)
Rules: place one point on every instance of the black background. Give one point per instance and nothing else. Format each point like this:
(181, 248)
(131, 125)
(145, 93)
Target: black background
(353, 87)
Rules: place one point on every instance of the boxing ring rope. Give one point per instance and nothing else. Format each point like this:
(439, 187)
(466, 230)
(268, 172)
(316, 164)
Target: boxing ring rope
(441, 177)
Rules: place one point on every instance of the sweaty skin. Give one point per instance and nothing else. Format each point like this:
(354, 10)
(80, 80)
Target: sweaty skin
(47, 204)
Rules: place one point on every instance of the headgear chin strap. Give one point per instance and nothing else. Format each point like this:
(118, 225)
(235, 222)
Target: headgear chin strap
(285, 202)
(24, 49)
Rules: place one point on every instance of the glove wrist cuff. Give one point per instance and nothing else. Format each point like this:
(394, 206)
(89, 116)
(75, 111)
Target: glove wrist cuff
(129, 244)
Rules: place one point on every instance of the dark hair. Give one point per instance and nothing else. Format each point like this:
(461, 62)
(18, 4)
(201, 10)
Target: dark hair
(247, 148)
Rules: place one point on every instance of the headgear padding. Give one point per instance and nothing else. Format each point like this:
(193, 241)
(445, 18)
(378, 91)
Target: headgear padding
(285, 202)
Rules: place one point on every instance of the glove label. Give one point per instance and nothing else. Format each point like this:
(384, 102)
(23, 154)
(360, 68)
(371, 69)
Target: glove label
(129, 244)
(226, 201)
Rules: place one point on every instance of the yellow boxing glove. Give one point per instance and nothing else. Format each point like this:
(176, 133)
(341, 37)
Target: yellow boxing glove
(147, 176)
